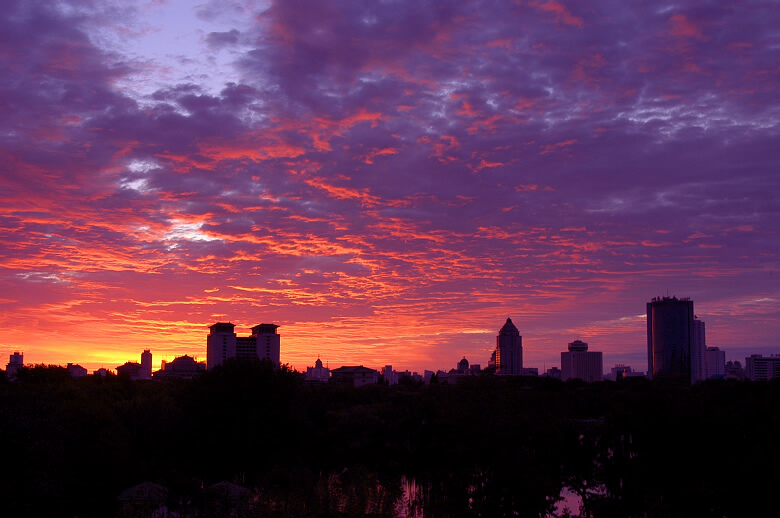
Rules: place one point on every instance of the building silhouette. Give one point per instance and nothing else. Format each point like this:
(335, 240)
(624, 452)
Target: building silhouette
(181, 367)
(146, 364)
(733, 371)
(135, 370)
(579, 363)
(509, 350)
(714, 363)
(15, 362)
(389, 375)
(621, 372)
(222, 344)
(762, 368)
(355, 375)
(131, 370)
(76, 371)
(318, 373)
(670, 338)
(698, 346)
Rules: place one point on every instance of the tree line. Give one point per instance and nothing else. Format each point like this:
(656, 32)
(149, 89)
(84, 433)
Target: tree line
(486, 446)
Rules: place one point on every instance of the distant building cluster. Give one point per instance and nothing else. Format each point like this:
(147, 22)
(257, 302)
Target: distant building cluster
(676, 349)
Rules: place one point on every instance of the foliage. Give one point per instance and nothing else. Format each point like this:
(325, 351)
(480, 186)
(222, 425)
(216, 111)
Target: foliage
(488, 446)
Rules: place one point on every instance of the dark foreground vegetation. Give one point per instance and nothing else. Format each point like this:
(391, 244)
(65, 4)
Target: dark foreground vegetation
(488, 446)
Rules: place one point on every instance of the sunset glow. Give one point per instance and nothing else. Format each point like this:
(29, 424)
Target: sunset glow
(386, 181)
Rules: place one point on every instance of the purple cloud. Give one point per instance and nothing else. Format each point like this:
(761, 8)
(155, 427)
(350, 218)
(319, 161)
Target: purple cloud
(391, 180)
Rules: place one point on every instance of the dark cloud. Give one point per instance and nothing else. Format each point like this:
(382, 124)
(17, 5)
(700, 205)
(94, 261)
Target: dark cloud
(219, 40)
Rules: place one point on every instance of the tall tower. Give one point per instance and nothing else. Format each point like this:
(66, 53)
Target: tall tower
(220, 344)
(146, 365)
(698, 346)
(670, 338)
(509, 350)
(267, 339)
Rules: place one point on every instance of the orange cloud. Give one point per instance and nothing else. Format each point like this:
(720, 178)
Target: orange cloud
(552, 147)
(369, 158)
(559, 10)
(325, 128)
(683, 27)
(344, 193)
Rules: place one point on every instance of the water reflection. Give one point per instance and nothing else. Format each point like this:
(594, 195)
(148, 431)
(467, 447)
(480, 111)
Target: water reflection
(361, 492)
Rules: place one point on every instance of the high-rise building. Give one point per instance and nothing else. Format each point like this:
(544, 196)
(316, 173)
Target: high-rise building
(762, 368)
(714, 363)
(698, 345)
(15, 362)
(222, 343)
(670, 338)
(509, 350)
(146, 364)
(580, 363)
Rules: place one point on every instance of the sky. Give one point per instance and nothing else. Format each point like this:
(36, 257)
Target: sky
(386, 180)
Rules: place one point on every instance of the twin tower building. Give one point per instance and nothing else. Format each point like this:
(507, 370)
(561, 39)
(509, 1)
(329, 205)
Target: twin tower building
(222, 344)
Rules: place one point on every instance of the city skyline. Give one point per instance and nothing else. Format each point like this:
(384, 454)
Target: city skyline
(387, 182)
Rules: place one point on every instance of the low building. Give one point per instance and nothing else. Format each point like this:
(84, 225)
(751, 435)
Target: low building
(462, 369)
(762, 368)
(579, 363)
(76, 371)
(317, 374)
(130, 370)
(389, 375)
(620, 371)
(406, 376)
(182, 367)
(733, 371)
(355, 375)
(135, 370)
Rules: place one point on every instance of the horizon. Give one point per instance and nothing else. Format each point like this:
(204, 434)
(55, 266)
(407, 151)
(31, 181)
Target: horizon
(387, 182)
(302, 369)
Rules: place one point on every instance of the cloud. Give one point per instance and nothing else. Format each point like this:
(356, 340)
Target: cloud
(219, 40)
(402, 173)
